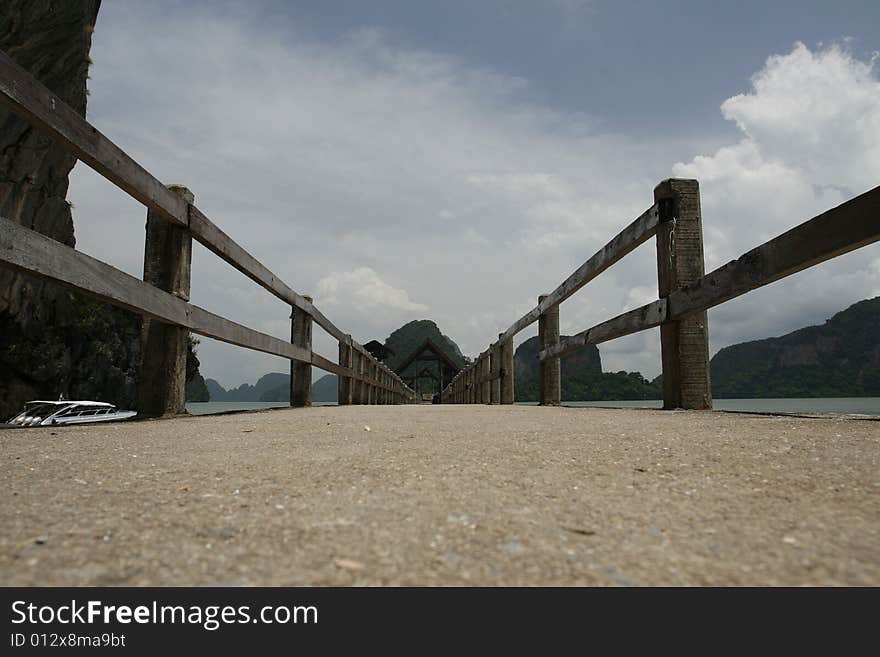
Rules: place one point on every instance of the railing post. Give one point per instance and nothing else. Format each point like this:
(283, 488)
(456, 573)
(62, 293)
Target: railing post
(495, 373)
(361, 384)
(344, 382)
(486, 383)
(355, 370)
(506, 371)
(548, 335)
(684, 344)
(301, 373)
(167, 265)
(363, 396)
(368, 385)
(478, 380)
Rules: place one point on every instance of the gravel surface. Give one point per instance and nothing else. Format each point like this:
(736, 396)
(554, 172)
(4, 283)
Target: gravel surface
(444, 495)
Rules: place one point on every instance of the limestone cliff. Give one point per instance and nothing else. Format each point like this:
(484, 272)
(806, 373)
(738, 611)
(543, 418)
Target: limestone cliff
(840, 358)
(581, 377)
(53, 341)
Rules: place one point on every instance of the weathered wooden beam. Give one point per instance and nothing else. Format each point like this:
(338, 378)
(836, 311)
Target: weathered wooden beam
(358, 380)
(633, 321)
(329, 366)
(684, 343)
(506, 372)
(301, 373)
(849, 226)
(161, 381)
(626, 241)
(28, 251)
(485, 378)
(220, 244)
(550, 381)
(495, 373)
(344, 381)
(23, 94)
(30, 99)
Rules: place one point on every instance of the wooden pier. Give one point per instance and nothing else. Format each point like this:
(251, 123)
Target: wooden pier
(444, 495)
(450, 494)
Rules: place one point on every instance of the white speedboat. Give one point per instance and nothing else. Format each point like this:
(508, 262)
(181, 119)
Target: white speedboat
(52, 413)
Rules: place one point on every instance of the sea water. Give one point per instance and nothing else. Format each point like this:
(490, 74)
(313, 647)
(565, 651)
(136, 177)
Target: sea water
(849, 405)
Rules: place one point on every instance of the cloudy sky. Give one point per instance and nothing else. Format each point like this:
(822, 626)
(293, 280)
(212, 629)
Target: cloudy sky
(401, 160)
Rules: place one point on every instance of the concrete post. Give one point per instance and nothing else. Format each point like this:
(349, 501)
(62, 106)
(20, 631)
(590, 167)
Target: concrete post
(506, 372)
(363, 393)
(365, 384)
(167, 265)
(548, 335)
(344, 382)
(486, 373)
(684, 344)
(478, 380)
(495, 373)
(355, 384)
(301, 373)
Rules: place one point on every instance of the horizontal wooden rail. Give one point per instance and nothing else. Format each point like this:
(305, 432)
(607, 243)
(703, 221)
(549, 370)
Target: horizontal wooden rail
(627, 240)
(30, 99)
(849, 226)
(28, 251)
(845, 228)
(36, 254)
(648, 316)
(329, 366)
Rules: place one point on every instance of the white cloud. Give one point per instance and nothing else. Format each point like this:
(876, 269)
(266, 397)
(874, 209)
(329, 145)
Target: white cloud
(811, 140)
(363, 290)
(817, 111)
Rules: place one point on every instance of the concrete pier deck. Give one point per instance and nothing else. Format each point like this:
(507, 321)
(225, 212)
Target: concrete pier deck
(444, 495)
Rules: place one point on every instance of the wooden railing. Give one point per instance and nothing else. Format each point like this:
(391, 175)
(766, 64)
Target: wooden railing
(685, 293)
(162, 298)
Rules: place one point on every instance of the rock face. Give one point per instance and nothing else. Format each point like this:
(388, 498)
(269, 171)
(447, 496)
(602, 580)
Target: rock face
(53, 341)
(272, 387)
(586, 362)
(412, 334)
(409, 337)
(42, 351)
(840, 358)
(196, 388)
(581, 375)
